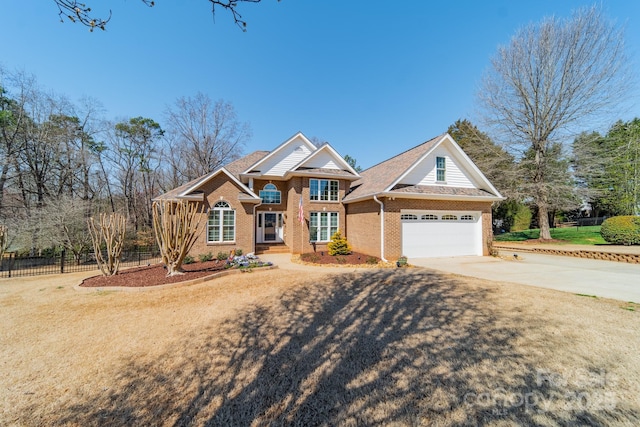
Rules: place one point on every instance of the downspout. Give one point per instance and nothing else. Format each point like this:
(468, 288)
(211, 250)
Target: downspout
(375, 198)
(255, 225)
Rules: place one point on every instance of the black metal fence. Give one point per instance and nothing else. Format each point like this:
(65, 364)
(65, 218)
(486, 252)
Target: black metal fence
(15, 266)
(584, 222)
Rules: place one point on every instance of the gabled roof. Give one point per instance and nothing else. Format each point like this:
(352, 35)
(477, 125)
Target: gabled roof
(378, 178)
(191, 190)
(238, 166)
(255, 167)
(306, 166)
(382, 179)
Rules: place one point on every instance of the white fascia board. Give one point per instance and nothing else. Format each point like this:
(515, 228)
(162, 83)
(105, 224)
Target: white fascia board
(323, 175)
(308, 143)
(414, 165)
(212, 175)
(473, 167)
(334, 154)
(468, 163)
(199, 197)
(391, 194)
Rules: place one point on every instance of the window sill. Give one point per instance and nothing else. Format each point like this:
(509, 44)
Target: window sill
(221, 243)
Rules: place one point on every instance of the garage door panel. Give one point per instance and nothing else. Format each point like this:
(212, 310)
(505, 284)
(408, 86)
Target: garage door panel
(442, 238)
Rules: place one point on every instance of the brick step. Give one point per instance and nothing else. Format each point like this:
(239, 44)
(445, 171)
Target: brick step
(272, 249)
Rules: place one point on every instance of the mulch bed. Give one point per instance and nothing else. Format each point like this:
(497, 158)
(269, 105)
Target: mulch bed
(323, 257)
(154, 275)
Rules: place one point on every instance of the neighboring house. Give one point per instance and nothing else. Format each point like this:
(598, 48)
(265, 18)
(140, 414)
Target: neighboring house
(428, 201)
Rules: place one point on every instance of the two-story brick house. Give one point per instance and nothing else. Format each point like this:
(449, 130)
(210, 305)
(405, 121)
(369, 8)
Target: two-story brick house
(428, 201)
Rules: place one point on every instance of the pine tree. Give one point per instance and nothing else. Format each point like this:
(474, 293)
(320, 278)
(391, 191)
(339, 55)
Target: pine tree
(339, 245)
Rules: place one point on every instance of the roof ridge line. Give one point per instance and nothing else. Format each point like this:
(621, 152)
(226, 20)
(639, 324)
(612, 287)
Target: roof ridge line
(405, 151)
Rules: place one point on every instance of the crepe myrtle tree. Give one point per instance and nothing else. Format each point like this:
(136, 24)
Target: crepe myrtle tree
(176, 225)
(82, 13)
(108, 232)
(550, 80)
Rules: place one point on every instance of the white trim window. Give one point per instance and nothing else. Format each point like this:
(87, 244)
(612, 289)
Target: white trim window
(441, 169)
(270, 195)
(322, 225)
(324, 190)
(221, 226)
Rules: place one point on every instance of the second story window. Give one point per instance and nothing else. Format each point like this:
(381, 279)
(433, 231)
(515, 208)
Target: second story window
(441, 169)
(270, 195)
(325, 190)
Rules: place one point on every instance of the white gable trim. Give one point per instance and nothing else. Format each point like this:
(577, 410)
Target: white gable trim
(333, 153)
(186, 193)
(273, 153)
(421, 196)
(467, 162)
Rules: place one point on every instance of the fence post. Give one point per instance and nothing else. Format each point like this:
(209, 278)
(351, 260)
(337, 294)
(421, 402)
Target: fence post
(11, 257)
(62, 257)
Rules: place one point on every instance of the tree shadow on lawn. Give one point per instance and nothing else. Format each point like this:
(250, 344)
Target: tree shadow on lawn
(381, 347)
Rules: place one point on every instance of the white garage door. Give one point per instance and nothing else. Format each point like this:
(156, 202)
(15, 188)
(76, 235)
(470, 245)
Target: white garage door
(441, 233)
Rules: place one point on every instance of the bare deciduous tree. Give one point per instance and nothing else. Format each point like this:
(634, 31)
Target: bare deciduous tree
(110, 232)
(552, 77)
(4, 240)
(63, 223)
(76, 11)
(176, 230)
(204, 135)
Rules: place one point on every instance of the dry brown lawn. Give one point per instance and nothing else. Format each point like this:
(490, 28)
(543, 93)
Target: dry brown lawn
(278, 347)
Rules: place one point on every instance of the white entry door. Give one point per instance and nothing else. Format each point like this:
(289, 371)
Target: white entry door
(269, 227)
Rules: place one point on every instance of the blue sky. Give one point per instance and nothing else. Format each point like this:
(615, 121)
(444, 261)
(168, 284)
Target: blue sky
(374, 78)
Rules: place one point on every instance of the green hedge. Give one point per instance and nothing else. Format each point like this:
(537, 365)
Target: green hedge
(621, 230)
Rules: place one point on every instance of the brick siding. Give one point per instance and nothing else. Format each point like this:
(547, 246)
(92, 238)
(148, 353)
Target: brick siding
(363, 223)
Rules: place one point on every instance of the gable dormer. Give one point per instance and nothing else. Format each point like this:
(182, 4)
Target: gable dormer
(326, 161)
(283, 158)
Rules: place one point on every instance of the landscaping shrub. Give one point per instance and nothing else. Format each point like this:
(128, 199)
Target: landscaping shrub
(338, 245)
(309, 257)
(188, 260)
(621, 230)
(372, 260)
(238, 252)
(222, 256)
(205, 257)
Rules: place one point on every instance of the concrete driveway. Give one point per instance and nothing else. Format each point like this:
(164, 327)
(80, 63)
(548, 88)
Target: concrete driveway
(608, 279)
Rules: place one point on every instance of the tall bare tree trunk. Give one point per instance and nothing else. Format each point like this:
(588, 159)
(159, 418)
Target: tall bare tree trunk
(176, 230)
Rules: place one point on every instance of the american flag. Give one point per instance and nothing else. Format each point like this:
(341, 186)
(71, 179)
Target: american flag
(300, 211)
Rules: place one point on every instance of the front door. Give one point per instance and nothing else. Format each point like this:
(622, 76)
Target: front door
(269, 227)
